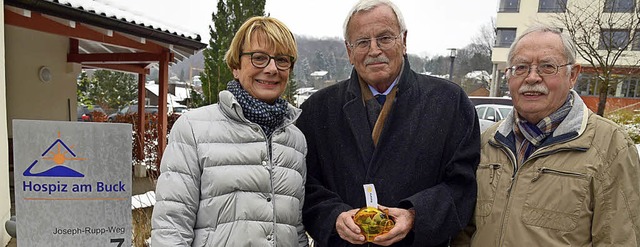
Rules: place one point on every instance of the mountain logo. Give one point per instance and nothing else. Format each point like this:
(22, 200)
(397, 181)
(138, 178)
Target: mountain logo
(57, 153)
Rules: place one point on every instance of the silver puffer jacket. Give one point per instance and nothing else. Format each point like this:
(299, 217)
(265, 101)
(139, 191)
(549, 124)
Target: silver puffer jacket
(224, 183)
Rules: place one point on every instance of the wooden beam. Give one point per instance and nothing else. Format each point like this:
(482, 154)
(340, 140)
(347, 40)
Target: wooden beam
(141, 116)
(74, 46)
(37, 21)
(114, 57)
(133, 68)
(163, 78)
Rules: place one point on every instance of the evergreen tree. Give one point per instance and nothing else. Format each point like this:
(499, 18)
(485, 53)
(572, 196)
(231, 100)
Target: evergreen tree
(228, 19)
(291, 88)
(320, 61)
(84, 83)
(111, 89)
(196, 99)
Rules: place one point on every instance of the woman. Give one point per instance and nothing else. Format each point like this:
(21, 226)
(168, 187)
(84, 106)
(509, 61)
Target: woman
(233, 173)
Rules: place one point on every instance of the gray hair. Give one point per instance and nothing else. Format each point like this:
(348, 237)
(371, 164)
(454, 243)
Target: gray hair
(365, 5)
(567, 43)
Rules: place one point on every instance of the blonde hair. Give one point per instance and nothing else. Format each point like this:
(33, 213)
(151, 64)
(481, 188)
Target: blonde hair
(271, 30)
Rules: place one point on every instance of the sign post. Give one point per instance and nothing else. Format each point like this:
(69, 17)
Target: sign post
(72, 183)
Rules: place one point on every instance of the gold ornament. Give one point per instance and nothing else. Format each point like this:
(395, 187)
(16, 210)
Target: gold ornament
(373, 222)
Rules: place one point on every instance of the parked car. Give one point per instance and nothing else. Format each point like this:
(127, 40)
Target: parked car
(480, 100)
(493, 112)
(131, 109)
(179, 110)
(85, 112)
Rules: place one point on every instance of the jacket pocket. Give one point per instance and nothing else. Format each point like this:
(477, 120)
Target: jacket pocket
(555, 198)
(488, 176)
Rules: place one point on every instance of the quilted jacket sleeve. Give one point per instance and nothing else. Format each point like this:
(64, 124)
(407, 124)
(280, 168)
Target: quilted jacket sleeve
(177, 191)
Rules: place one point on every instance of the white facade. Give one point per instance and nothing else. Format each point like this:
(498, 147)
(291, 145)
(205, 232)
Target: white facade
(5, 202)
(27, 96)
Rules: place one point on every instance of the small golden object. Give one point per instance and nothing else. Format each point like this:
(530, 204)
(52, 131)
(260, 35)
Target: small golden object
(373, 222)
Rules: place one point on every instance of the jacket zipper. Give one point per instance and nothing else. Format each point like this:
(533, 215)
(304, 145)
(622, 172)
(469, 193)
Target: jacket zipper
(272, 193)
(557, 172)
(513, 159)
(270, 170)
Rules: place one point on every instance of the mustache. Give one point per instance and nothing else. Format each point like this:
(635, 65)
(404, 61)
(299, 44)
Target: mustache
(380, 59)
(538, 88)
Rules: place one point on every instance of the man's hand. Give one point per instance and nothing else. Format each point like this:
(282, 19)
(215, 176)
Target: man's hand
(404, 224)
(347, 228)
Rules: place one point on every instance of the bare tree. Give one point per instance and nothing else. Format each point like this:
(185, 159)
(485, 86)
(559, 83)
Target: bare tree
(484, 40)
(603, 31)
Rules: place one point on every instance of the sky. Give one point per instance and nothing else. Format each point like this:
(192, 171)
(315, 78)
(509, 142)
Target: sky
(433, 25)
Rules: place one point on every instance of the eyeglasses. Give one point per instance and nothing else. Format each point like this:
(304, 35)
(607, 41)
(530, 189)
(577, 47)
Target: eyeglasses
(384, 43)
(543, 69)
(262, 60)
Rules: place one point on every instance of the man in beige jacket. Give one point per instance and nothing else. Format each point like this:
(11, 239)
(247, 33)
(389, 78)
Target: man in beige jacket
(553, 173)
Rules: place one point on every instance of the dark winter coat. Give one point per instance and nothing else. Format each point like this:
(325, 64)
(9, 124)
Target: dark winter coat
(426, 157)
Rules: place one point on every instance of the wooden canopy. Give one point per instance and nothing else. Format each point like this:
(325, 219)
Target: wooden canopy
(102, 36)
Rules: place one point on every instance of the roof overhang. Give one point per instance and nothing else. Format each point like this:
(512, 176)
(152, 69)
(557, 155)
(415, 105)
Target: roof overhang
(99, 39)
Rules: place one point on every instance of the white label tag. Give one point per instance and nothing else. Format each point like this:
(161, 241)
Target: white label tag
(370, 195)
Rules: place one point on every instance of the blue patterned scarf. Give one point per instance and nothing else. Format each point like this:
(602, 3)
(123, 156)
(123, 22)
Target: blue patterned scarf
(530, 136)
(269, 117)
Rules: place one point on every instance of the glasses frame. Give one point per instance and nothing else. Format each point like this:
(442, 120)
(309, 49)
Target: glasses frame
(512, 70)
(358, 49)
(274, 58)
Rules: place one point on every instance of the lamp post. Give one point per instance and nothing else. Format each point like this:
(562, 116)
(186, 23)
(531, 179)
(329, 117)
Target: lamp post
(452, 55)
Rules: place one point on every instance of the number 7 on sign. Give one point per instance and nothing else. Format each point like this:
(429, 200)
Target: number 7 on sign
(120, 241)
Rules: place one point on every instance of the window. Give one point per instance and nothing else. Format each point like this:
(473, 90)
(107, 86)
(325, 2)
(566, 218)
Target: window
(613, 39)
(480, 111)
(625, 6)
(623, 87)
(491, 115)
(586, 85)
(629, 88)
(552, 6)
(505, 36)
(509, 6)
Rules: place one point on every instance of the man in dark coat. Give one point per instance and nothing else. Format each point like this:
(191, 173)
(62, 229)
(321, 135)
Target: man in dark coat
(417, 140)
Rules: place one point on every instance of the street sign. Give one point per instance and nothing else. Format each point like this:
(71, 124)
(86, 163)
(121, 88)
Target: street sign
(72, 183)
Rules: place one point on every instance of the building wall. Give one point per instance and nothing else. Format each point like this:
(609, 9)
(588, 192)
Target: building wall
(612, 104)
(528, 15)
(5, 201)
(27, 96)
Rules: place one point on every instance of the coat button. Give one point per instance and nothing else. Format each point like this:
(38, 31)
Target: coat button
(269, 237)
(268, 199)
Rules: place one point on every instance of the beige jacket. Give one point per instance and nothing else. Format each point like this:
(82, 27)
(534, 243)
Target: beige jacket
(581, 188)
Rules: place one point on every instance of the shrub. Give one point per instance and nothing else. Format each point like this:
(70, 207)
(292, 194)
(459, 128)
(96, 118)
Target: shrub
(630, 120)
(150, 137)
